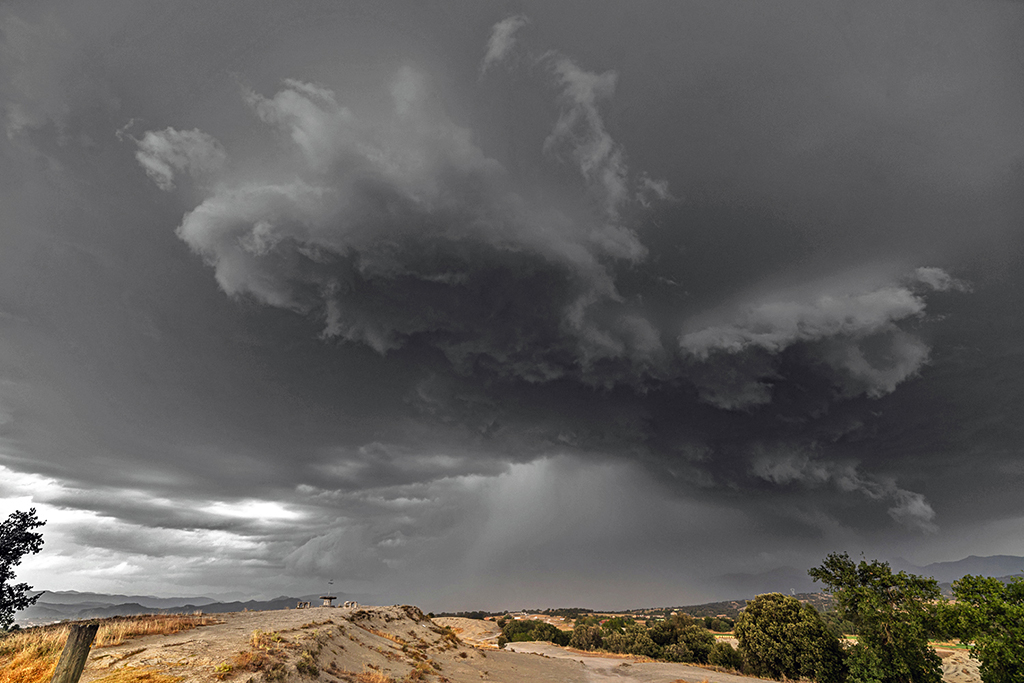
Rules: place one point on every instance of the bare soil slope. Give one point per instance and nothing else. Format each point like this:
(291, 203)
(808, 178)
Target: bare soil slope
(476, 632)
(371, 644)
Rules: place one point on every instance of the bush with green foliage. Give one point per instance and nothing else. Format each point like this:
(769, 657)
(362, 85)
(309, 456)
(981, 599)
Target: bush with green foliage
(699, 641)
(726, 656)
(676, 652)
(525, 630)
(894, 615)
(681, 639)
(586, 636)
(617, 624)
(780, 637)
(616, 642)
(640, 642)
(989, 615)
(718, 624)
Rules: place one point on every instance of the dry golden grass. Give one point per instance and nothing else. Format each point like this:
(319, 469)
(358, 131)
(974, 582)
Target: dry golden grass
(119, 629)
(250, 660)
(266, 640)
(373, 676)
(369, 674)
(266, 656)
(143, 675)
(384, 634)
(30, 656)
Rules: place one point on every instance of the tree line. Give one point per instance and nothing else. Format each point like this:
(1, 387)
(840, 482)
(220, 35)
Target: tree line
(891, 617)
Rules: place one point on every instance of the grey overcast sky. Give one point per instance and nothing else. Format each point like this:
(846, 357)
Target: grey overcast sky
(484, 305)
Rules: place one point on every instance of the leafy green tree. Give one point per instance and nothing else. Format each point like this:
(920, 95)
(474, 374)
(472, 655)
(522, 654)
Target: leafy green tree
(781, 637)
(641, 643)
(718, 625)
(695, 641)
(617, 642)
(726, 656)
(528, 630)
(618, 624)
(589, 620)
(16, 540)
(989, 614)
(676, 652)
(894, 615)
(585, 636)
(698, 640)
(665, 632)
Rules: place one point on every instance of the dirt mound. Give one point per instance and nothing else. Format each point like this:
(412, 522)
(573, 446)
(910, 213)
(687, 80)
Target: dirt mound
(476, 632)
(366, 644)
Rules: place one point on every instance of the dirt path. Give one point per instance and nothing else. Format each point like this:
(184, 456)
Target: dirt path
(630, 670)
(957, 667)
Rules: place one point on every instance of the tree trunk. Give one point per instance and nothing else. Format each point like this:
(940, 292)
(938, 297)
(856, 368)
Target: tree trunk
(76, 651)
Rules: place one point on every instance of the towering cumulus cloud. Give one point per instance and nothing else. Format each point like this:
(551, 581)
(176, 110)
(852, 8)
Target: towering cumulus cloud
(395, 229)
(403, 228)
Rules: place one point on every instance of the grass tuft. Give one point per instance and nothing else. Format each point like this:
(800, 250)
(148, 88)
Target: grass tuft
(141, 675)
(373, 676)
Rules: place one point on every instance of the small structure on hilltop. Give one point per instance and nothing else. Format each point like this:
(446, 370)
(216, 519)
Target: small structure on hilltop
(351, 603)
(328, 600)
(302, 605)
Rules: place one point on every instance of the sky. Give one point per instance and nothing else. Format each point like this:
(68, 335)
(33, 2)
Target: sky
(492, 305)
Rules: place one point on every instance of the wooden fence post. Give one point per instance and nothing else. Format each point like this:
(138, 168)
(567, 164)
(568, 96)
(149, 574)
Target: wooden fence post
(76, 651)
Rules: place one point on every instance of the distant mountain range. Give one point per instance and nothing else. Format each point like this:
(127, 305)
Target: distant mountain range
(72, 605)
(791, 580)
(60, 605)
(947, 572)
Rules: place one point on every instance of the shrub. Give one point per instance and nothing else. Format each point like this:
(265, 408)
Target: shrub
(726, 656)
(586, 637)
(640, 642)
(533, 629)
(779, 637)
(698, 640)
(677, 652)
(306, 665)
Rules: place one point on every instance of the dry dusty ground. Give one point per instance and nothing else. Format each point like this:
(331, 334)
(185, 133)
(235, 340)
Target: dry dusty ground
(605, 669)
(476, 632)
(323, 644)
(340, 644)
(957, 667)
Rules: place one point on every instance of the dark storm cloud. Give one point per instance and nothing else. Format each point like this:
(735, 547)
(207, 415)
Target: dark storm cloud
(509, 292)
(401, 232)
(408, 230)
